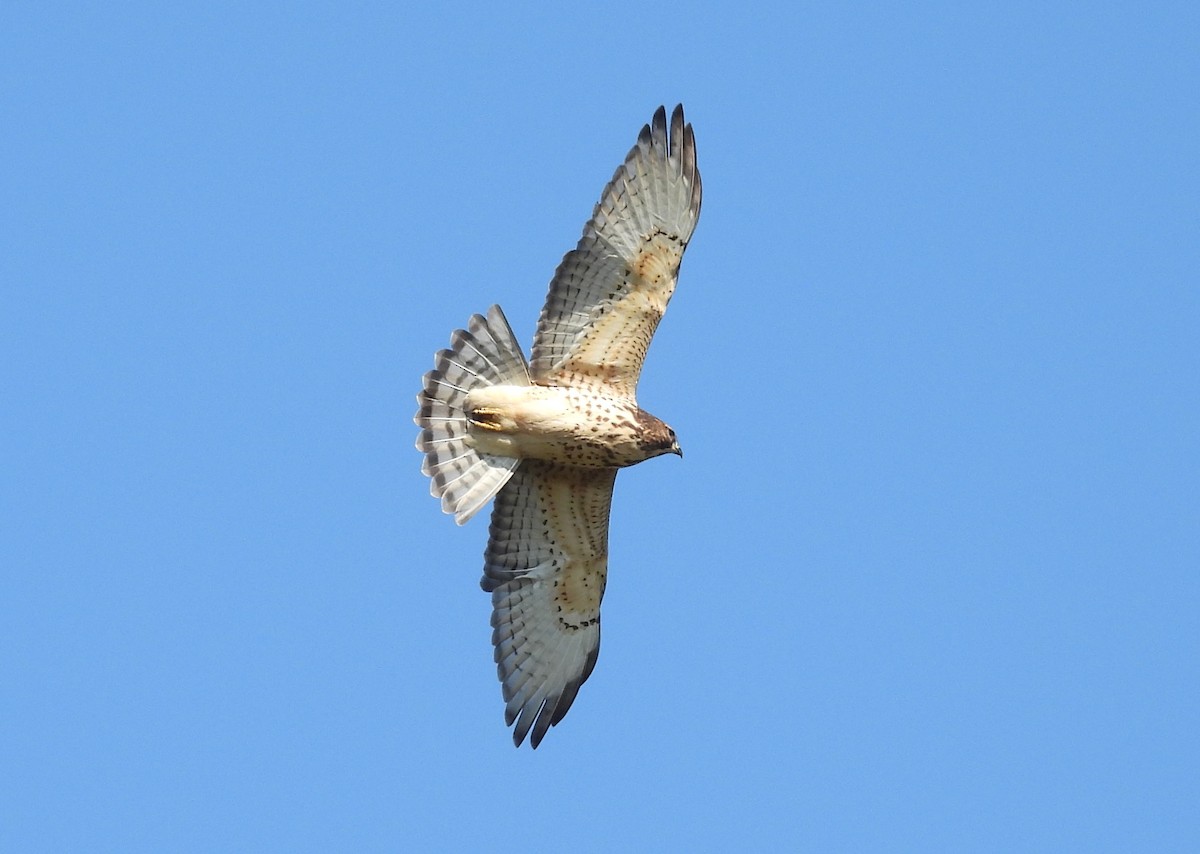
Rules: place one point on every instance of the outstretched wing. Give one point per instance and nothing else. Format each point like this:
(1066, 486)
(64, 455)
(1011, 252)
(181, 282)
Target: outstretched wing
(545, 566)
(610, 292)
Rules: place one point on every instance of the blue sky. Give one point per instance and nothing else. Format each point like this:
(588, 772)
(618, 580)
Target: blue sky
(926, 578)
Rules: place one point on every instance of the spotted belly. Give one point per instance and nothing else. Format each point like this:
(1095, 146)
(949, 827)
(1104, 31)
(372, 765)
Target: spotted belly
(562, 425)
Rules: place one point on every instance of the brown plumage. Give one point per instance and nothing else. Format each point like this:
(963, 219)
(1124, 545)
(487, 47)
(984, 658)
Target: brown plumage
(546, 438)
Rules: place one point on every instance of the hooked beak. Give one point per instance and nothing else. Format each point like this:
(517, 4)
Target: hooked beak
(678, 451)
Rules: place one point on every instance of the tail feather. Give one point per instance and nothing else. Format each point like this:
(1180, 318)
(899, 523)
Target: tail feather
(485, 353)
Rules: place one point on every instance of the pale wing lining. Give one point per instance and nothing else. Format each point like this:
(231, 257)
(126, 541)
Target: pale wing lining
(545, 566)
(609, 293)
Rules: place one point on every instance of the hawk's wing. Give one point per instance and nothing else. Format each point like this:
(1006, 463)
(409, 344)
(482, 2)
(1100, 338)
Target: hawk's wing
(545, 566)
(609, 293)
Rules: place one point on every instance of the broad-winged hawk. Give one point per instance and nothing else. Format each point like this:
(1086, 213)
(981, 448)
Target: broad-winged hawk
(546, 437)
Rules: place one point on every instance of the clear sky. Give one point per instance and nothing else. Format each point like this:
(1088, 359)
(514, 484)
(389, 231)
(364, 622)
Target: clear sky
(928, 577)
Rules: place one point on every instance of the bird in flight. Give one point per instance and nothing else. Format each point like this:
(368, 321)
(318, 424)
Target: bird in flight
(546, 437)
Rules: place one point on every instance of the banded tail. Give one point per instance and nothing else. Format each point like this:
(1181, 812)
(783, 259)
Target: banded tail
(486, 353)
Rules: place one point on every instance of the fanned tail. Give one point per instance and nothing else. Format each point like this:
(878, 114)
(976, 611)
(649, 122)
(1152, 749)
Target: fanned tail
(486, 353)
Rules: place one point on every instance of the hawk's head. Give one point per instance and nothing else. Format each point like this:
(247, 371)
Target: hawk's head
(657, 438)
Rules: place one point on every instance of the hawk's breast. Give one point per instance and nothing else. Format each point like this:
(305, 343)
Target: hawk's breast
(563, 425)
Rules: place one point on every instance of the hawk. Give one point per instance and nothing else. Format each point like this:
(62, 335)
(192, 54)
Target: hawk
(546, 437)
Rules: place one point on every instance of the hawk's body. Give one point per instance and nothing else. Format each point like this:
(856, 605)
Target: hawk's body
(546, 438)
(562, 424)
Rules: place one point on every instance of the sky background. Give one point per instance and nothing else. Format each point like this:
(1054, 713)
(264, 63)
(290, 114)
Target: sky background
(928, 577)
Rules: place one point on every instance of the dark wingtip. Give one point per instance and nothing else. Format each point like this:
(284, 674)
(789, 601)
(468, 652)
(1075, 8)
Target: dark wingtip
(660, 117)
